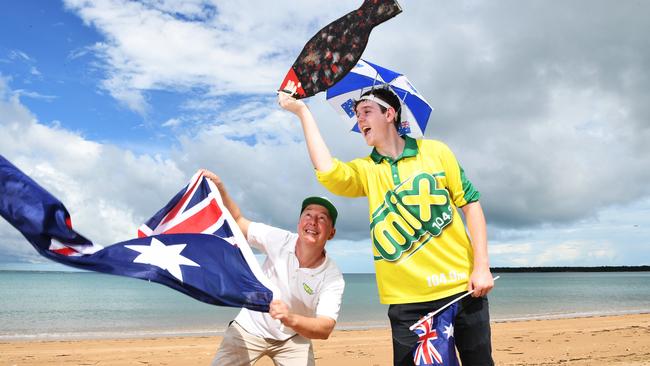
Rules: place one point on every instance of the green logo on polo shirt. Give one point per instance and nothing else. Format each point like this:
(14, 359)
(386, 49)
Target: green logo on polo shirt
(307, 289)
(416, 208)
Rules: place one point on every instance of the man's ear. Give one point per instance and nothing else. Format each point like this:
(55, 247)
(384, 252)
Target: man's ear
(390, 114)
(332, 233)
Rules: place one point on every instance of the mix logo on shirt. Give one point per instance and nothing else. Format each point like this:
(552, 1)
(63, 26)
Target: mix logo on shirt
(417, 207)
(307, 288)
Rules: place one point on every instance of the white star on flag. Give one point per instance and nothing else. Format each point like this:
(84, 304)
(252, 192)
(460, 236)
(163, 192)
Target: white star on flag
(449, 331)
(167, 257)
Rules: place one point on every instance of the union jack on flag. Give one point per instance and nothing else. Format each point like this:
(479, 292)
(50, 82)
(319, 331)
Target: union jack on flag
(435, 345)
(194, 209)
(198, 208)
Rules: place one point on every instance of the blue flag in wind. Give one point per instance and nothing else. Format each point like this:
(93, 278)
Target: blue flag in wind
(203, 266)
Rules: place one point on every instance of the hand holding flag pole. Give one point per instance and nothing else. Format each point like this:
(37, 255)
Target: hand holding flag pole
(434, 313)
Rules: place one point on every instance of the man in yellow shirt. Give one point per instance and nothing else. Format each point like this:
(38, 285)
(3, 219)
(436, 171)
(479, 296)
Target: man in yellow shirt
(423, 255)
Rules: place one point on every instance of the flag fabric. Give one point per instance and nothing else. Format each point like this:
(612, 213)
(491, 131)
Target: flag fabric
(195, 209)
(435, 345)
(203, 266)
(334, 50)
(198, 208)
(348, 108)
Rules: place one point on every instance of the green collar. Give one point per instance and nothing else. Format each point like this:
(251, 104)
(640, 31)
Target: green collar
(410, 150)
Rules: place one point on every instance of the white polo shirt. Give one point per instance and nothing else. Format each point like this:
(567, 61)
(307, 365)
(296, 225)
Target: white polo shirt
(307, 291)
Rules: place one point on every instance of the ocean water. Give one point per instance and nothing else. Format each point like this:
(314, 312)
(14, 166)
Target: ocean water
(42, 305)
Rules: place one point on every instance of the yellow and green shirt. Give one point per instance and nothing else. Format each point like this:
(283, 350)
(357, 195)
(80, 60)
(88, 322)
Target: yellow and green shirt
(420, 246)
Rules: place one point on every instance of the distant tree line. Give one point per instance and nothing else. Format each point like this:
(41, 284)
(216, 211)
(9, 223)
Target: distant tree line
(572, 269)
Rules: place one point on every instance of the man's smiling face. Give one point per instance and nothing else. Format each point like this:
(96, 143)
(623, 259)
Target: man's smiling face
(372, 121)
(315, 225)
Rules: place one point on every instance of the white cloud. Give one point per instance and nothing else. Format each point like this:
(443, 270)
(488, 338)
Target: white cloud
(352, 256)
(567, 252)
(615, 236)
(34, 71)
(235, 48)
(172, 122)
(511, 248)
(109, 192)
(34, 95)
(19, 55)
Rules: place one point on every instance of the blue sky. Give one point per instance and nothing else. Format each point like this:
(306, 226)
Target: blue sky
(113, 105)
(44, 51)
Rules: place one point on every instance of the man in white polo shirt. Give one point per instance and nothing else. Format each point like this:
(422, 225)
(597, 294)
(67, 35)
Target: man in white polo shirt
(309, 282)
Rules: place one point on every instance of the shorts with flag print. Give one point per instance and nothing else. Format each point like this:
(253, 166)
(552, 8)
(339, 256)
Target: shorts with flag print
(471, 329)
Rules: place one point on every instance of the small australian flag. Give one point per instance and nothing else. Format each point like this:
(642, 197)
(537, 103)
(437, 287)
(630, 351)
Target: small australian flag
(348, 107)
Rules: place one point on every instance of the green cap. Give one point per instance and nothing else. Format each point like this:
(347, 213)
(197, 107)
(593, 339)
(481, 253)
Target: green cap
(321, 201)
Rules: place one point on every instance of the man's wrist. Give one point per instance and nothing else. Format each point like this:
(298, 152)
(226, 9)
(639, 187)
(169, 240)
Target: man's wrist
(291, 320)
(302, 112)
(481, 266)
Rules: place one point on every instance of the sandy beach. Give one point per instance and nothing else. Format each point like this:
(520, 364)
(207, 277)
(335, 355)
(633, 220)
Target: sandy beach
(611, 340)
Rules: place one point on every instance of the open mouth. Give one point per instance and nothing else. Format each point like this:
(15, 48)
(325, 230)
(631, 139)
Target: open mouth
(365, 131)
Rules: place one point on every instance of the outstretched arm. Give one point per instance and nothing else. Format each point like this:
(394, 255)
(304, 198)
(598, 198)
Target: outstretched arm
(481, 280)
(241, 221)
(319, 327)
(318, 151)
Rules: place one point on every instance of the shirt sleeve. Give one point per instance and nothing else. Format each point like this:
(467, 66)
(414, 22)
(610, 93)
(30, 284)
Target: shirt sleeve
(270, 240)
(344, 179)
(329, 301)
(461, 189)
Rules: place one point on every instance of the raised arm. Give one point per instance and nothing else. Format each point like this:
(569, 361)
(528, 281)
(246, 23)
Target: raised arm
(318, 151)
(481, 280)
(242, 221)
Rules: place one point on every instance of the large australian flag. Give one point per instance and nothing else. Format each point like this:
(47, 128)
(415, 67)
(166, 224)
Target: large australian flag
(195, 262)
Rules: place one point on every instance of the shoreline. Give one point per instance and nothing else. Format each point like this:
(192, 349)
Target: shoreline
(360, 326)
(614, 340)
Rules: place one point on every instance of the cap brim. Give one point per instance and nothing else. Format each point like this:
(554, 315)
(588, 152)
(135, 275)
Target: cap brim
(321, 201)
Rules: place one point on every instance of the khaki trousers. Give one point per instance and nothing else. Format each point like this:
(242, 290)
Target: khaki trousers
(240, 348)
